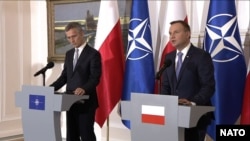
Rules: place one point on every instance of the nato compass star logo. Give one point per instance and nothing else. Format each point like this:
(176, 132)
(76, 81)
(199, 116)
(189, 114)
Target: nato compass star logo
(223, 38)
(37, 102)
(138, 39)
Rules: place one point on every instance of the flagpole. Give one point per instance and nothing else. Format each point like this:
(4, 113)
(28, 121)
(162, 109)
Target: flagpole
(159, 85)
(109, 38)
(108, 128)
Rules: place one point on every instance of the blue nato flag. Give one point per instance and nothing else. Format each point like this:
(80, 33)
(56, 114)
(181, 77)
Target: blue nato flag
(139, 67)
(222, 41)
(37, 102)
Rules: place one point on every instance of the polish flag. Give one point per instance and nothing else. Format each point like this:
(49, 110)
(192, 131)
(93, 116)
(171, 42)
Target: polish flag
(245, 113)
(173, 10)
(153, 114)
(176, 10)
(110, 45)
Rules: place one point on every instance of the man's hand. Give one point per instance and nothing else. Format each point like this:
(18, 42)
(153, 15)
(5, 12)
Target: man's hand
(79, 91)
(184, 102)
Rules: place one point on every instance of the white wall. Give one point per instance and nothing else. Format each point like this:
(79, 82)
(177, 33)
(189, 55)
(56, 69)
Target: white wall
(15, 49)
(23, 51)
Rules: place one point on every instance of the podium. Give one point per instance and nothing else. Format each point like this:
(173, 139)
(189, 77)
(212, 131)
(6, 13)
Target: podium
(41, 112)
(159, 117)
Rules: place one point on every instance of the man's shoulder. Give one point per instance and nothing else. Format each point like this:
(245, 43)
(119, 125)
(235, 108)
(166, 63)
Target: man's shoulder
(90, 48)
(173, 52)
(70, 50)
(199, 53)
(198, 49)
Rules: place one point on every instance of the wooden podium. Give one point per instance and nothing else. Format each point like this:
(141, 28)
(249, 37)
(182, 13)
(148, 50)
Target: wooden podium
(41, 112)
(154, 116)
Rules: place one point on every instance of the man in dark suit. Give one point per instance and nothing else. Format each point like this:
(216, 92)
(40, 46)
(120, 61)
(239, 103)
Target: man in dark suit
(81, 74)
(194, 82)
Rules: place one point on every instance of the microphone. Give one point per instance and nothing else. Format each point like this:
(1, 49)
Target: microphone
(166, 64)
(43, 70)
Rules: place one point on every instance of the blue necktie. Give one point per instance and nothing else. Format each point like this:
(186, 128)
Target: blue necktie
(179, 63)
(75, 58)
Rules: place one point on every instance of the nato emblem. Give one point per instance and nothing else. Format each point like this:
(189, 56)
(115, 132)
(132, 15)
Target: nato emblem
(37, 102)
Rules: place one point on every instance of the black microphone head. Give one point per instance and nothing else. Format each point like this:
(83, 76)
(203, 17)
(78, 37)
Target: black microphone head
(50, 65)
(167, 62)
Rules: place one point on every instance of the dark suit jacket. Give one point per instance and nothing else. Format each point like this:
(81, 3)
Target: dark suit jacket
(86, 74)
(196, 78)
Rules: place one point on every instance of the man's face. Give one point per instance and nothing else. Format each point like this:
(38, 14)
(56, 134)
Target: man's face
(75, 37)
(179, 37)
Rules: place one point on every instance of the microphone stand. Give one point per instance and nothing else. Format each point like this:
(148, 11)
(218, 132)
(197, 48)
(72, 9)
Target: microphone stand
(43, 70)
(158, 77)
(43, 78)
(158, 82)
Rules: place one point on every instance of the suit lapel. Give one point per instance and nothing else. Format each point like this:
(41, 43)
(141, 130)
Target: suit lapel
(185, 61)
(81, 57)
(71, 60)
(172, 74)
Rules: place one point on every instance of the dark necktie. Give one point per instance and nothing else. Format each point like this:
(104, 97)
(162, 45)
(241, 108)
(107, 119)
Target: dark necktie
(75, 58)
(179, 63)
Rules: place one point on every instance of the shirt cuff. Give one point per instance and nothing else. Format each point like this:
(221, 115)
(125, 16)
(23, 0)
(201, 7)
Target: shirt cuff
(193, 104)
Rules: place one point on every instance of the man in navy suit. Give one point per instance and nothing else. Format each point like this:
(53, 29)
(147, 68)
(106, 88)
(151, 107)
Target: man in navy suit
(194, 82)
(81, 74)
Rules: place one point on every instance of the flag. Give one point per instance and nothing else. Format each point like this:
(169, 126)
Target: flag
(110, 45)
(176, 10)
(222, 41)
(139, 66)
(245, 113)
(153, 114)
(37, 102)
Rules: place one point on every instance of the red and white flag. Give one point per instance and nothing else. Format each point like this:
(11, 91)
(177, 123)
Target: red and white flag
(173, 10)
(110, 45)
(245, 113)
(176, 10)
(153, 114)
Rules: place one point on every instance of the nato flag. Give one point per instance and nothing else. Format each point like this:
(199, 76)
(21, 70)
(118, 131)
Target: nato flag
(139, 67)
(37, 102)
(222, 41)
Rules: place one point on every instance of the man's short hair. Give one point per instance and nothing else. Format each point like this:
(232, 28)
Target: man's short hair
(183, 23)
(71, 25)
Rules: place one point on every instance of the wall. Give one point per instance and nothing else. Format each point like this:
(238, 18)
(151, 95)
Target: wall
(15, 50)
(23, 51)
